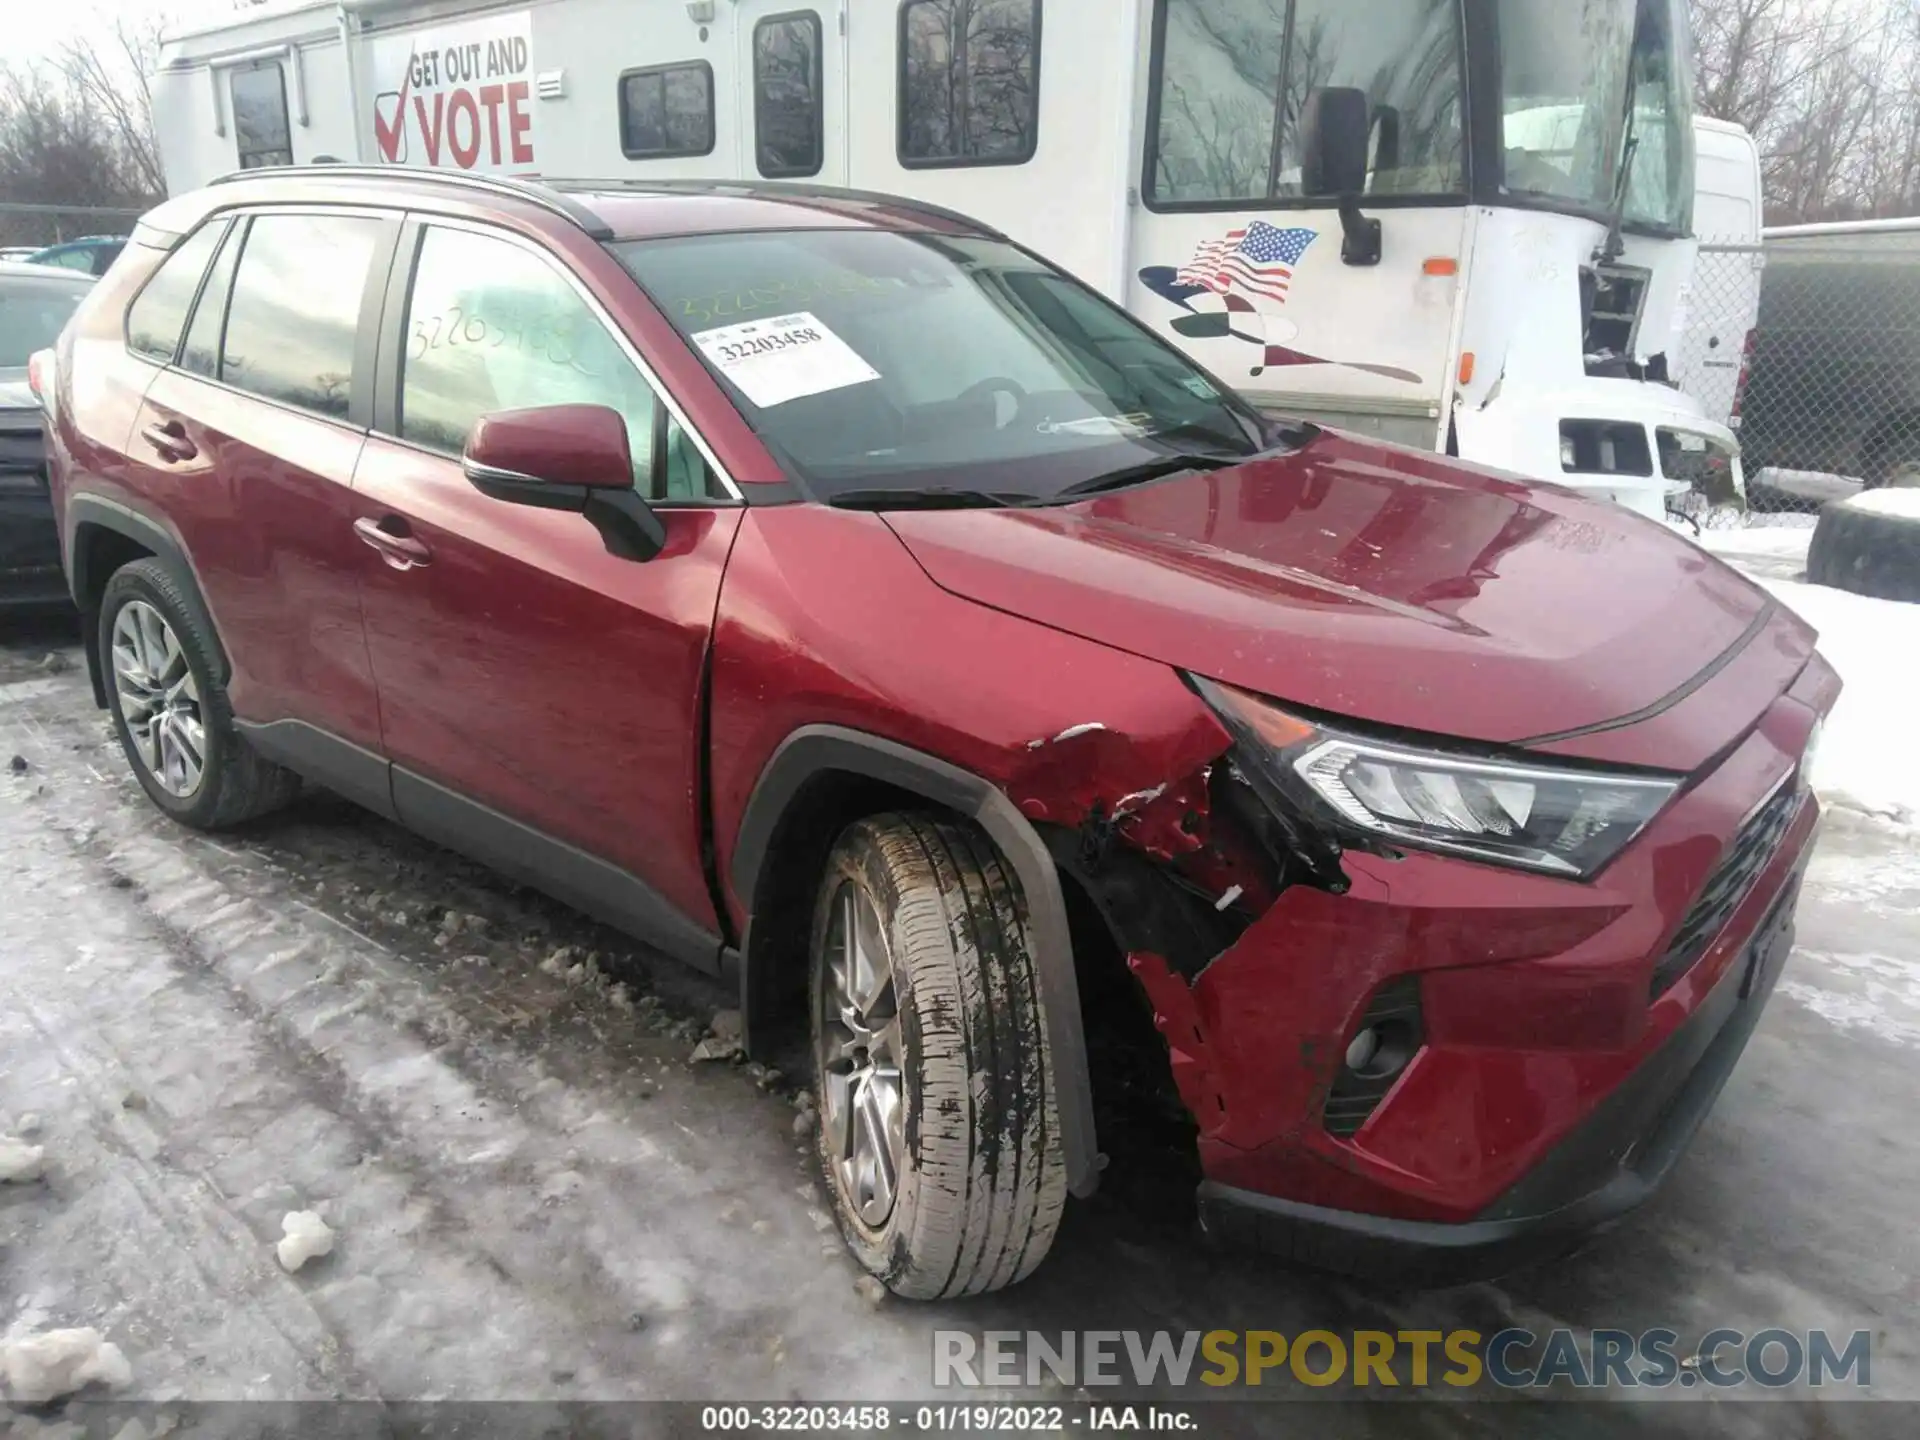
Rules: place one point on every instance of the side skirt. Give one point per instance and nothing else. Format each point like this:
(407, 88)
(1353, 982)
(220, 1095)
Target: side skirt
(564, 871)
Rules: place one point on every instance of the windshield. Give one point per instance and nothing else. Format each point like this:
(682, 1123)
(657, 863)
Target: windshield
(874, 360)
(1580, 80)
(32, 313)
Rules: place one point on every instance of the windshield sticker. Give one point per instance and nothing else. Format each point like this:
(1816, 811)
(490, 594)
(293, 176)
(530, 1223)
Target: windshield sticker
(738, 302)
(1122, 427)
(784, 358)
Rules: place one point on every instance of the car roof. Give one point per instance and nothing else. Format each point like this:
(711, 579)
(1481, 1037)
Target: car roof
(617, 209)
(46, 274)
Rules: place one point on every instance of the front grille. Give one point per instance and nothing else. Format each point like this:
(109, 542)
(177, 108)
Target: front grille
(1732, 878)
(23, 459)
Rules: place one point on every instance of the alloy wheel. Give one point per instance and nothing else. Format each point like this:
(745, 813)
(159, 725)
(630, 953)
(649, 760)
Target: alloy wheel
(859, 1059)
(158, 698)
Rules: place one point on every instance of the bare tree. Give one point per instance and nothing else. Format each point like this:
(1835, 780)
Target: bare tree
(1830, 90)
(111, 75)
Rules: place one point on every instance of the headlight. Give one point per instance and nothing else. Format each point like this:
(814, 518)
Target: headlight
(1536, 817)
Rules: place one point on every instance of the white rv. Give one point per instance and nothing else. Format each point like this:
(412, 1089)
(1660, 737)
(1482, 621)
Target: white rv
(1720, 315)
(1461, 224)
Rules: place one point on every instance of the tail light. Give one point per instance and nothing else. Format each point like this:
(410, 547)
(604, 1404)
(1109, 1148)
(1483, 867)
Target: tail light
(1746, 370)
(40, 374)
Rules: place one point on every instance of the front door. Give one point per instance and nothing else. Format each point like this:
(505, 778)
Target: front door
(1239, 251)
(540, 698)
(794, 95)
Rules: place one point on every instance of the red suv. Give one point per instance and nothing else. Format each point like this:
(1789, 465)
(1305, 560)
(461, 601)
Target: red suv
(856, 607)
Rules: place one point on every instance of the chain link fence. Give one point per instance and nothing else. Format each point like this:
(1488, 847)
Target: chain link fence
(24, 226)
(1809, 344)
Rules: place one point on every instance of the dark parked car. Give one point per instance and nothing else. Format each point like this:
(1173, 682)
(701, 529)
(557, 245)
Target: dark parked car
(34, 304)
(90, 255)
(860, 609)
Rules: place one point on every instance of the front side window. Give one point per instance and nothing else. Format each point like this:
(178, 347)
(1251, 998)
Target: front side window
(786, 95)
(969, 82)
(1232, 79)
(1036, 383)
(158, 315)
(492, 326)
(667, 110)
(295, 311)
(1591, 85)
(260, 129)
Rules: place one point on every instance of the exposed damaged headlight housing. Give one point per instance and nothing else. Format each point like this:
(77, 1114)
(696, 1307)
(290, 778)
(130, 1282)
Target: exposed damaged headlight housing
(1546, 818)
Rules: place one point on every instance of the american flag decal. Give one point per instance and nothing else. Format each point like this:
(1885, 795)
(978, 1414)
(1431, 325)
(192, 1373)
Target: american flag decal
(1258, 259)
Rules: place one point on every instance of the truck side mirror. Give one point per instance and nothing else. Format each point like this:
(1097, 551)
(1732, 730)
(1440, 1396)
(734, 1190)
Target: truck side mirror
(1336, 128)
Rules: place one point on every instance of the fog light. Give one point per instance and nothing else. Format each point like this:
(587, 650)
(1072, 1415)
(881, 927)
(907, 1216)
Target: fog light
(1362, 1048)
(1379, 1052)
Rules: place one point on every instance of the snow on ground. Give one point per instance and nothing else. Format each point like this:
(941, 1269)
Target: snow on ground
(1868, 758)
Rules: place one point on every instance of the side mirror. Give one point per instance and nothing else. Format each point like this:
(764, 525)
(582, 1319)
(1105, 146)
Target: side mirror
(1335, 125)
(1336, 128)
(566, 457)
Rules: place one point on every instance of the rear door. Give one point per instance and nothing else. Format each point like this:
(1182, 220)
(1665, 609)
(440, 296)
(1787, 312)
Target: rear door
(793, 58)
(249, 439)
(540, 698)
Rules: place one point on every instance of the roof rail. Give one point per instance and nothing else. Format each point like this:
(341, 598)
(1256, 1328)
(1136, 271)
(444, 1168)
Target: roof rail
(794, 189)
(534, 194)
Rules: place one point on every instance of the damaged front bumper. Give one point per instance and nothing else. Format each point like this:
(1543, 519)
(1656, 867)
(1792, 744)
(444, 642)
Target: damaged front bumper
(1449, 1068)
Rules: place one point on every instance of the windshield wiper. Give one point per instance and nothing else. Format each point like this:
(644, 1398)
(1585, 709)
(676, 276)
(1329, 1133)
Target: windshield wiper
(932, 498)
(1162, 469)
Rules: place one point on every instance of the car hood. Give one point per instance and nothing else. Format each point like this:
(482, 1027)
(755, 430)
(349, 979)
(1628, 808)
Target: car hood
(1377, 583)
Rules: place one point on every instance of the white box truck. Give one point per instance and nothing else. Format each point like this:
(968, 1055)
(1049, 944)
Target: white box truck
(1460, 224)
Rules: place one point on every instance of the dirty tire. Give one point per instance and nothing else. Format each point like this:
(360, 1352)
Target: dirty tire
(982, 1182)
(236, 784)
(1867, 547)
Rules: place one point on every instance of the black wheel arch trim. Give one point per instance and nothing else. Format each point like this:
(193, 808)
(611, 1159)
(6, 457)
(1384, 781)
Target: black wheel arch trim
(94, 512)
(815, 749)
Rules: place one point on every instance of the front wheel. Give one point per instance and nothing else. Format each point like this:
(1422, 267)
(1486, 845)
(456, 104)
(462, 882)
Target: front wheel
(938, 1138)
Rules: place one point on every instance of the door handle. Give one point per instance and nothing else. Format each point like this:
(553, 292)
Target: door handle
(402, 552)
(169, 437)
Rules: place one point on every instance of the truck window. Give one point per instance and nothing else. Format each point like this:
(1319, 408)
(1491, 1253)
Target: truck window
(969, 82)
(1231, 77)
(295, 309)
(667, 110)
(156, 318)
(260, 132)
(786, 95)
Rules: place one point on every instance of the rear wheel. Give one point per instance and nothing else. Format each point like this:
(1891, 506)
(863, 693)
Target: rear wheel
(170, 709)
(938, 1134)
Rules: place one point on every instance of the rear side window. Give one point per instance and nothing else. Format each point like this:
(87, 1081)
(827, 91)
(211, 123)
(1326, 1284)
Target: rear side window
(667, 110)
(260, 130)
(969, 82)
(295, 311)
(786, 95)
(492, 326)
(159, 313)
(202, 352)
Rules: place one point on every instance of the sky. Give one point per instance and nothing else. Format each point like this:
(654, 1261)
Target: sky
(37, 30)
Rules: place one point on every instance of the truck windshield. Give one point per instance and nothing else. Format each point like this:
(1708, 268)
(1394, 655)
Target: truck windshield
(883, 362)
(1580, 79)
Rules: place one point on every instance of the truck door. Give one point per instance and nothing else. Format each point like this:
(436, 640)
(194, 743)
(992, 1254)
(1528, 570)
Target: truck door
(794, 90)
(1261, 113)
